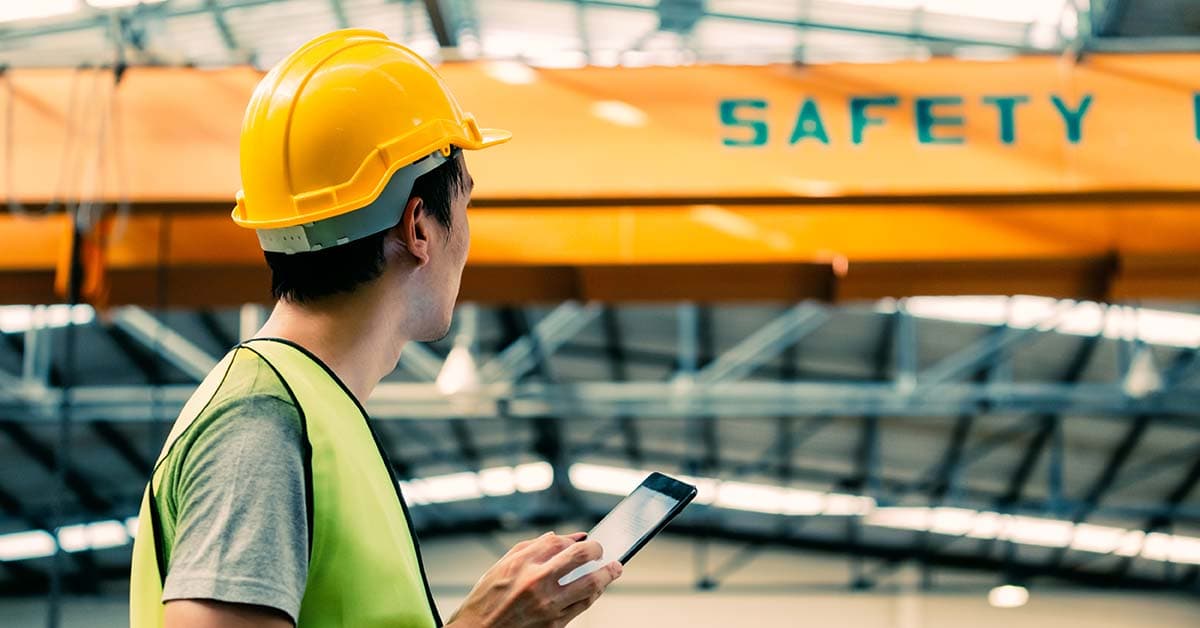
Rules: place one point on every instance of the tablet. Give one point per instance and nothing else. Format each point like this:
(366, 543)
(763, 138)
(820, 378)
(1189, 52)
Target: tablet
(634, 521)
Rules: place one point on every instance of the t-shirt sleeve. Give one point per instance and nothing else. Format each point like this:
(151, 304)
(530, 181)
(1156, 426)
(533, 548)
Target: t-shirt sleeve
(241, 531)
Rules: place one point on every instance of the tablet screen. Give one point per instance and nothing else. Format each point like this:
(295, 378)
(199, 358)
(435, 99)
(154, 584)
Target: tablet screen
(624, 526)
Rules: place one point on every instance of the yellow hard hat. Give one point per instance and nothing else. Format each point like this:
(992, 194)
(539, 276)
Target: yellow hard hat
(335, 135)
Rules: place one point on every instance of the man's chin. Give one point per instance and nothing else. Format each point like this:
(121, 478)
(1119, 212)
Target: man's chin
(434, 337)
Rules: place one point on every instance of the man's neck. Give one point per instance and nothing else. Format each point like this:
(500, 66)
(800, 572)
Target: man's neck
(355, 337)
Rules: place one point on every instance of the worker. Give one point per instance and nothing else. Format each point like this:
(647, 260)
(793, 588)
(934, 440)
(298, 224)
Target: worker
(272, 502)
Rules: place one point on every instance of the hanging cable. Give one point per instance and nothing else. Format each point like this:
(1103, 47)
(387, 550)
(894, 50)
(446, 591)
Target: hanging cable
(55, 203)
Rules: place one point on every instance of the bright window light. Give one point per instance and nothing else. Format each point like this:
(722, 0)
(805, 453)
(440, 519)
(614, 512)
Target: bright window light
(492, 482)
(838, 505)
(803, 503)
(413, 493)
(953, 521)
(534, 476)
(1085, 318)
(92, 536)
(1008, 596)
(12, 10)
(1157, 546)
(21, 318)
(605, 479)
(26, 545)
(1037, 531)
(988, 525)
(1184, 549)
(1097, 539)
(1131, 543)
(900, 518)
(497, 482)
(1084, 537)
(453, 487)
(752, 497)
(437, 489)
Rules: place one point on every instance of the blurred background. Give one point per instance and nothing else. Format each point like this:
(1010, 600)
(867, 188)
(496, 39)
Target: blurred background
(909, 288)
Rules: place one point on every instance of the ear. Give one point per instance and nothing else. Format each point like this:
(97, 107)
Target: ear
(413, 231)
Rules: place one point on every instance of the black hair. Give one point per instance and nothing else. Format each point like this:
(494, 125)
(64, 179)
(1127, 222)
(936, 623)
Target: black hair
(314, 275)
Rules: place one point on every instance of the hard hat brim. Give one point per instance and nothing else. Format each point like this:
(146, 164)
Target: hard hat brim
(490, 137)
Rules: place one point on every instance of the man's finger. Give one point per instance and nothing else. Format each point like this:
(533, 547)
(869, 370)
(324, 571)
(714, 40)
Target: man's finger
(574, 556)
(571, 612)
(582, 593)
(594, 582)
(546, 547)
(523, 545)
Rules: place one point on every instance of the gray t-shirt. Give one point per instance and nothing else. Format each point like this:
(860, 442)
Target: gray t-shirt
(234, 490)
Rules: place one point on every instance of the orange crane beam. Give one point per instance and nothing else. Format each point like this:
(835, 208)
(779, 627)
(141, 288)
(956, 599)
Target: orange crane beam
(839, 182)
(703, 252)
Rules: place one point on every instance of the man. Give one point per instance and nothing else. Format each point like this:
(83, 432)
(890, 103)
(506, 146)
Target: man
(271, 503)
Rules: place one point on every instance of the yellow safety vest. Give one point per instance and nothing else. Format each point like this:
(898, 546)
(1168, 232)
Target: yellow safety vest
(364, 568)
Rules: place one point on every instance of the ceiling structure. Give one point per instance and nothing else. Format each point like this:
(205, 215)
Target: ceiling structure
(551, 33)
(1038, 439)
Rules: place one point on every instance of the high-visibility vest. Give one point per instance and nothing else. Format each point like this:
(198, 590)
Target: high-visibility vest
(364, 568)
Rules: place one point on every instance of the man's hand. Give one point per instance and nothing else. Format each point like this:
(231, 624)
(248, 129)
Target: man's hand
(522, 590)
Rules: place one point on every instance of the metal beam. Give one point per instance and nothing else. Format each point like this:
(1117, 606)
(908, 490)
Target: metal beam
(421, 361)
(648, 400)
(144, 360)
(1112, 468)
(1143, 45)
(764, 344)
(216, 330)
(559, 326)
(466, 444)
(614, 350)
(114, 438)
(999, 385)
(950, 465)
(339, 13)
(1183, 367)
(222, 25)
(174, 348)
(833, 27)
(45, 458)
(865, 481)
(1116, 462)
(991, 347)
(1048, 424)
(904, 349)
(1178, 494)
